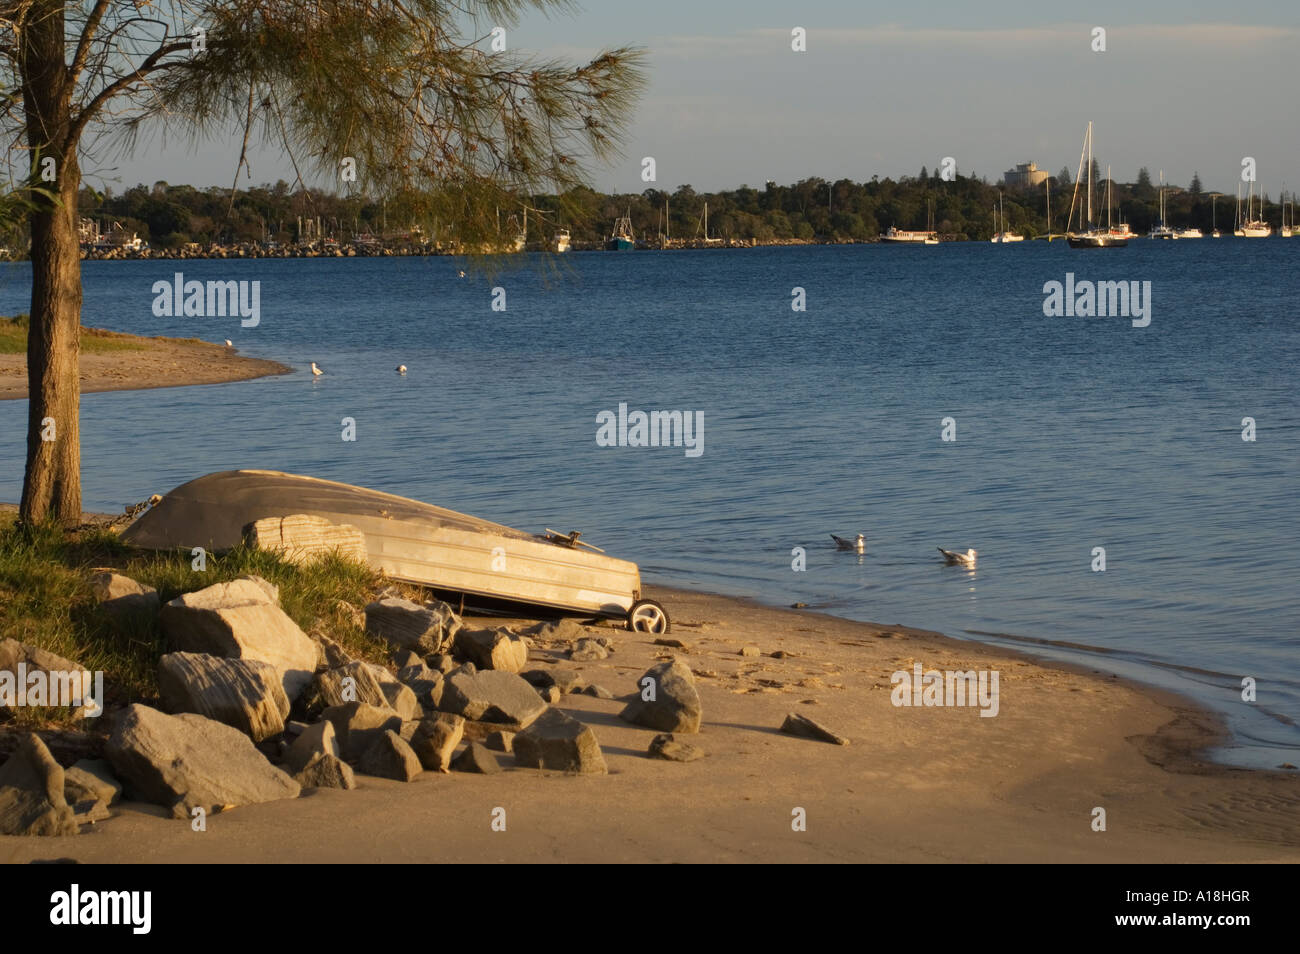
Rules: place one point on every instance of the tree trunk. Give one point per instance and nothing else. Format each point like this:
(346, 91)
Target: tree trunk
(52, 483)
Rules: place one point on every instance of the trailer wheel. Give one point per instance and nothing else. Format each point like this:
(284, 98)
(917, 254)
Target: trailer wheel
(647, 616)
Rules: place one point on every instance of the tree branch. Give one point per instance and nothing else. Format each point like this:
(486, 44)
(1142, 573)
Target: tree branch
(150, 65)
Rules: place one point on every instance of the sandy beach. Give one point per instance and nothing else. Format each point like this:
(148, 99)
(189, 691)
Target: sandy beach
(131, 362)
(914, 784)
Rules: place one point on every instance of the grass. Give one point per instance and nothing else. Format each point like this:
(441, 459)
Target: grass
(46, 601)
(13, 339)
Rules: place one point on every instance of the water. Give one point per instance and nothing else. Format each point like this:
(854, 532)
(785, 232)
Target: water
(1072, 433)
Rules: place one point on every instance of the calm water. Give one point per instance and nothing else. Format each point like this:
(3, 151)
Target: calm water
(1072, 433)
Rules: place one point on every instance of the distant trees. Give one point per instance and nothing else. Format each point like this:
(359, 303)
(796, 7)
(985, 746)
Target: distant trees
(1063, 178)
(1144, 178)
(1195, 187)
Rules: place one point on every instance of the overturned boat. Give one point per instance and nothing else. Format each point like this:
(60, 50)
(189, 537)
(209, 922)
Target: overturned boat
(484, 563)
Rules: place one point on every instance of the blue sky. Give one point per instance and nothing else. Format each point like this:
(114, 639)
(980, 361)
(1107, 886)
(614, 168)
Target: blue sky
(884, 89)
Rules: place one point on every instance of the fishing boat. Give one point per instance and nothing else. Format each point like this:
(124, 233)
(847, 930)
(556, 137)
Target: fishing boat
(622, 239)
(561, 240)
(451, 553)
(1091, 234)
(1000, 235)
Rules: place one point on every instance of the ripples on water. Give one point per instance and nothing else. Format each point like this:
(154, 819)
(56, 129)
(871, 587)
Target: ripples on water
(1072, 432)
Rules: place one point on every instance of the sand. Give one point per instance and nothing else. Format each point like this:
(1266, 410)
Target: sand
(157, 363)
(914, 785)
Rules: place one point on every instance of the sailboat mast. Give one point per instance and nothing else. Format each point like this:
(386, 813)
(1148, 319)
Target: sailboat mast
(1089, 174)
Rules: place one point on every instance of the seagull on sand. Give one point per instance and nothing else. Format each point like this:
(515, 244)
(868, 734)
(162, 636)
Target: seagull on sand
(952, 558)
(860, 544)
(228, 344)
(315, 371)
(401, 369)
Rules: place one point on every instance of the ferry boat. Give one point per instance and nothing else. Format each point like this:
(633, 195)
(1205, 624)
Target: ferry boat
(906, 237)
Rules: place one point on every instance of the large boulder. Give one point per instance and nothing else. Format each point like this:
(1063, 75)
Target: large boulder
(188, 761)
(666, 699)
(243, 693)
(365, 682)
(120, 595)
(493, 649)
(91, 779)
(390, 757)
(32, 798)
(400, 698)
(62, 678)
(242, 620)
(436, 739)
(422, 629)
(358, 725)
(422, 680)
(561, 743)
(491, 696)
(478, 759)
(326, 771)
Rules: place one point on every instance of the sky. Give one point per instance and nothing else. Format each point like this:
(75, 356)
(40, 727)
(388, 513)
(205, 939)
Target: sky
(1183, 86)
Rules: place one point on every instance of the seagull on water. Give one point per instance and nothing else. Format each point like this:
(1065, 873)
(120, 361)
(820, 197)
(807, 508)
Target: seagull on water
(860, 544)
(952, 558)
(315, 371)
(401, 369)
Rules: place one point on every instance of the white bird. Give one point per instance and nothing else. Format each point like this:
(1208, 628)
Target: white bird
(315, 371)
(401, 369)
(860, 544)
(953, 558)
(460, 274)
(228, 344)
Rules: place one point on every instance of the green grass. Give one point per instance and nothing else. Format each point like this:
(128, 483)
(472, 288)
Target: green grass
(13, 339)
(46, 601)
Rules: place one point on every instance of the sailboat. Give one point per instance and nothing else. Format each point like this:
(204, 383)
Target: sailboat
(1251, 227)
(622, 238)
(1092, 236)
(1214, 216)
(1161, 229)
(1288, 225)
(1002, 236)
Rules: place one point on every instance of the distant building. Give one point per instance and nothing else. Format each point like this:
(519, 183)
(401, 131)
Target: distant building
(1026, 175)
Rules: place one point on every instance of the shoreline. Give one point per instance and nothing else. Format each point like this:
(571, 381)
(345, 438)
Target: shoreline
(913, 785)
(114, 361)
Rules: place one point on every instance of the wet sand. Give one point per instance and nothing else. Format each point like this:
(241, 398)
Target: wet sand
(142, 363)
(914, 785)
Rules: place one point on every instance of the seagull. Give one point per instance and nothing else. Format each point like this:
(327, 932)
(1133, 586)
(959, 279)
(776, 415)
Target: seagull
(953, 558)
(860, 544)
(315, 371)
(460, 274)
(228, 344)
(401, 369)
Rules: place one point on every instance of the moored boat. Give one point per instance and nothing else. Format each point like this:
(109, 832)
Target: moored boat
(622, 239)
(1094, 235)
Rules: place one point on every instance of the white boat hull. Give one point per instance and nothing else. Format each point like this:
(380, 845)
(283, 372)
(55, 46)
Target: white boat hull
(405, 539)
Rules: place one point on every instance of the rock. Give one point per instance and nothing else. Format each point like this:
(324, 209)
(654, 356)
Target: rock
(242, 693)
(425, 682)
(491, 696)
(64, 678)
(404, 657)
(607, 642)
(320, 738)
(798, 605)
(332, 652)
(671, 643)
(188, 761)
(425, 629)
(781, 654)
(90, 810)
(408, 730)
(240, 620)
(492, 649)
(90, 779)
(664, 746)
(269, 589)
(500, 741)
(560, 743)
(358, 725)
(31, 793)
(352, 682)
(551, 694)
(476, 758)
(326, 771)
(436, 739)
(302, 538)
(801, 725)
(120, 595)
(390, 757)
(442, 662)
(588, 650)
(600, 692)
(399, 698)
(749, 651)
(673, 704)
(482, 731)
(566, 679)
